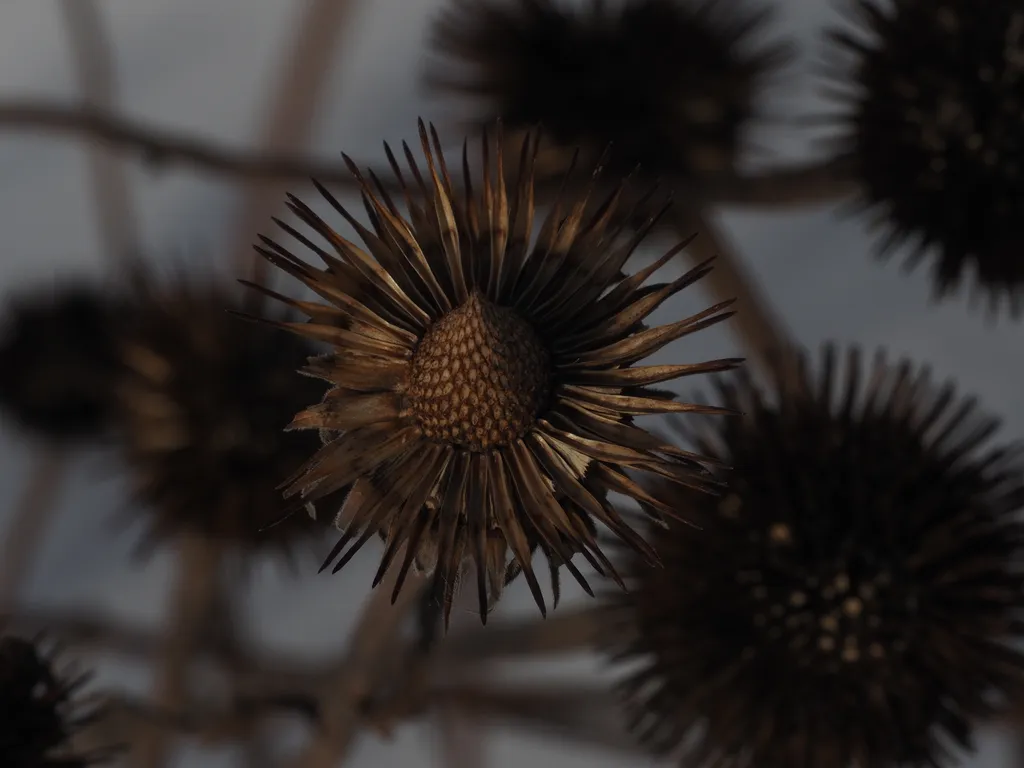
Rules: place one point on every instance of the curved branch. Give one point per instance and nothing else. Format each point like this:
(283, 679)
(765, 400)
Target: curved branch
(290, 110)
(568, 631)
(191, 603)
(372, 643)
(158, 147)
(116, 215)
(33, 515)
(811, 184)
(757, 322)
(794, 186)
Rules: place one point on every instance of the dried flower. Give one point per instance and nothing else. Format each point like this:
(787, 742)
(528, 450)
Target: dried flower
(204, 403)
(486, 387)
(670, 85)
(36, 710)
(854, 599)
(932, 124)
(58, 361)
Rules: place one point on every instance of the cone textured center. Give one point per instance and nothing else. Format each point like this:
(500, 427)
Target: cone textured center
(479, 377)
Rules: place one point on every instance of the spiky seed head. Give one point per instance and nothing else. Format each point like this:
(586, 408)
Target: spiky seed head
(39, 714)
(930, 107)
(204, 404)
(670, 84)
(58, 360)
(855, 597)
(483, 379)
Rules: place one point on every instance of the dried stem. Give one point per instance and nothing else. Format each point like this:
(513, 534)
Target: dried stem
(33, 513)
(460, 741)
(789, 186)
(566, 632)
(191, 604)
(585, 714)
(116, 216)
(756, 322)
(159, 147)
(373, 643)
(123, 720)
(223, 638)
(796, 186)
(289, 116)
(86, 632)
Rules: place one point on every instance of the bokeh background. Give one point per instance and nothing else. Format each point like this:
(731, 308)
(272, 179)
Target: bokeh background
(207, 68)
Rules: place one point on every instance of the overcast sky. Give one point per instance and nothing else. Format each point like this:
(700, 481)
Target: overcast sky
(203, 66)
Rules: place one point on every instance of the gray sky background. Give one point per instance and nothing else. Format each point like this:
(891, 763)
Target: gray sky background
(203, 66)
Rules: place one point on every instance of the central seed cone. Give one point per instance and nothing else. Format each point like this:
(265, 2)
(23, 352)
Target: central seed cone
(479, 377)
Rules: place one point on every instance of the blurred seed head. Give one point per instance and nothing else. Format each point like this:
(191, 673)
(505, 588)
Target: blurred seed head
(854, 599)
(670, 84)
(931, 112)
(58, 360)
(37, 711)
(204, 403)
(482, 381)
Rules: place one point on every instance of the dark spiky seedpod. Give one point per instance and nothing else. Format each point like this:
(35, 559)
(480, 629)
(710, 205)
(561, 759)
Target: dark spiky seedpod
(483, 379)
(204, 403)
(932, 122)
(670, 84)
(854, 599)
(58, 360)
(37, 711)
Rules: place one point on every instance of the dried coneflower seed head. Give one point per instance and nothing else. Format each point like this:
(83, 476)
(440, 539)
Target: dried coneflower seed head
(854, 599)
(483, 379)
(479, 377)
(204, 405)
(931, 121)
(670, 84)
(58, 361)
(38, 713)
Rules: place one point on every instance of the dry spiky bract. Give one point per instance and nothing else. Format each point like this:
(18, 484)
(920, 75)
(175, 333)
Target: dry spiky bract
(855, 599)
(58, 361)
(37, 715)
(932, 122)
(670, 84)
(204, 403)
(482, 385)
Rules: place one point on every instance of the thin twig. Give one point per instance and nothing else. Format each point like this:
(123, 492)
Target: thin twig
(568, 631)
(788, 186)
(796, 186)
(116, 216)
(33, 514)
(159, 147)
(372, 644)
(460, 738)
(86, 631)
(222, 635)
(190, 608)
(123, 721)
(289, 117)
(758, 325)
(584, 714)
